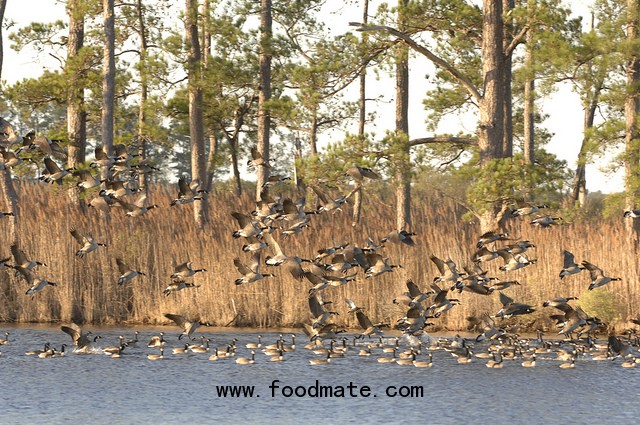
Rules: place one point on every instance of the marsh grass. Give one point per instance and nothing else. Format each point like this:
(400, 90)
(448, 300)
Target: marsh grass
(155, 243)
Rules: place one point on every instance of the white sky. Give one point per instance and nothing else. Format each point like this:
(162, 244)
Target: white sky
(564, 109)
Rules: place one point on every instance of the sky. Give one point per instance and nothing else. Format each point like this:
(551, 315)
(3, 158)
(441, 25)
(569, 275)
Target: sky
(563, 107)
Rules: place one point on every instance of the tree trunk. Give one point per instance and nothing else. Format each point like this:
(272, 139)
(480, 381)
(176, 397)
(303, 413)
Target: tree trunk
(233, 145)
(108, 79)
(76, 115)
(362, 119)
(8, 136)
(529, 102)
(403, 172)
(579, 193)
(491, 128)
(144, 93)
(212, 157)
(264, 117)
(632, 132)
(3, 6)
(507, 141)
(196, 132)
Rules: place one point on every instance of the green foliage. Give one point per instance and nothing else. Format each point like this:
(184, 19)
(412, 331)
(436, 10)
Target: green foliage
(511, 179)
(602, 304)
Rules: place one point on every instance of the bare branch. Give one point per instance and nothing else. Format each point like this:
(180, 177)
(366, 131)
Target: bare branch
(462, 79)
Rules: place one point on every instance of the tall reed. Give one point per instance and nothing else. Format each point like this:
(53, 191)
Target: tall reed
(156, 242)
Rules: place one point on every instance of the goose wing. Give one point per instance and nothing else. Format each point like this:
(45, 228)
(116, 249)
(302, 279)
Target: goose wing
(18, 255)
(569, 260)
(183, 187)
(439, 264)
(363, 320)
(242, 268)
(594, 271)
(414, 291)
(77, 236)
(505, 299)
(122, 267)
(178, 319)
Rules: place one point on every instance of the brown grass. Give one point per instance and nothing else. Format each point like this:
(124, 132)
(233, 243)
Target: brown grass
(154, 243)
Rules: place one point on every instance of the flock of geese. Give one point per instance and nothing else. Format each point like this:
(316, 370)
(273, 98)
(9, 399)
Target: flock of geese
(275, 219)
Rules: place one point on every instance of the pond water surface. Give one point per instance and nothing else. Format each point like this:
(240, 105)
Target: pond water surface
(97, 389)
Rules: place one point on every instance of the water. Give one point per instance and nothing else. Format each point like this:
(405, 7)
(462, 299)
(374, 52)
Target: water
(96, 389)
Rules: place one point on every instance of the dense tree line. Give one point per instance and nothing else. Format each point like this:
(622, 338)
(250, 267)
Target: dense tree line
(192, 88)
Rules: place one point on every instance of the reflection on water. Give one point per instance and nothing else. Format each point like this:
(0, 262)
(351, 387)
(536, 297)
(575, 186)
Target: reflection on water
(183, 388)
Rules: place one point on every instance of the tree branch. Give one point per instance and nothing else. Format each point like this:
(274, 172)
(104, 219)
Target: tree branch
(444, 139)
(515, 41)
(466, 82)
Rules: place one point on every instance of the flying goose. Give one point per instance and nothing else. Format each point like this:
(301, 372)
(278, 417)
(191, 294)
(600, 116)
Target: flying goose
(377, 265)
(118, 188)
(598, 277)
(21, 262)
(448, 270)
(9, 158)
(86, 242)
(318, 311)
(326, 252)
(491, 236)
(368, 328)
(483, 255)
(511, 308)
(138, 208)
(546, 221)
(334, 205)
(254, 244)
(275, 179)
(399, 237)
(126, 272)
(328, 331)
(47, 146)
(359, 173)
(569, 265)
(290, 264)
(294, 211)
(36, 283)
(519, 247)
(52, 173)
(248, 226)
(413, 297)
(352, 306)
(102, 202)
(178, 285)
(188, 326)
(257, 160)
(251, 271)
(527, 210)
(514, 262)
(87, 180)
(185, 270)
(441, 303)
(188, 191)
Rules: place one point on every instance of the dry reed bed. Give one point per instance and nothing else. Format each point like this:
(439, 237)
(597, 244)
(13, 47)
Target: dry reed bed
(154, 243)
